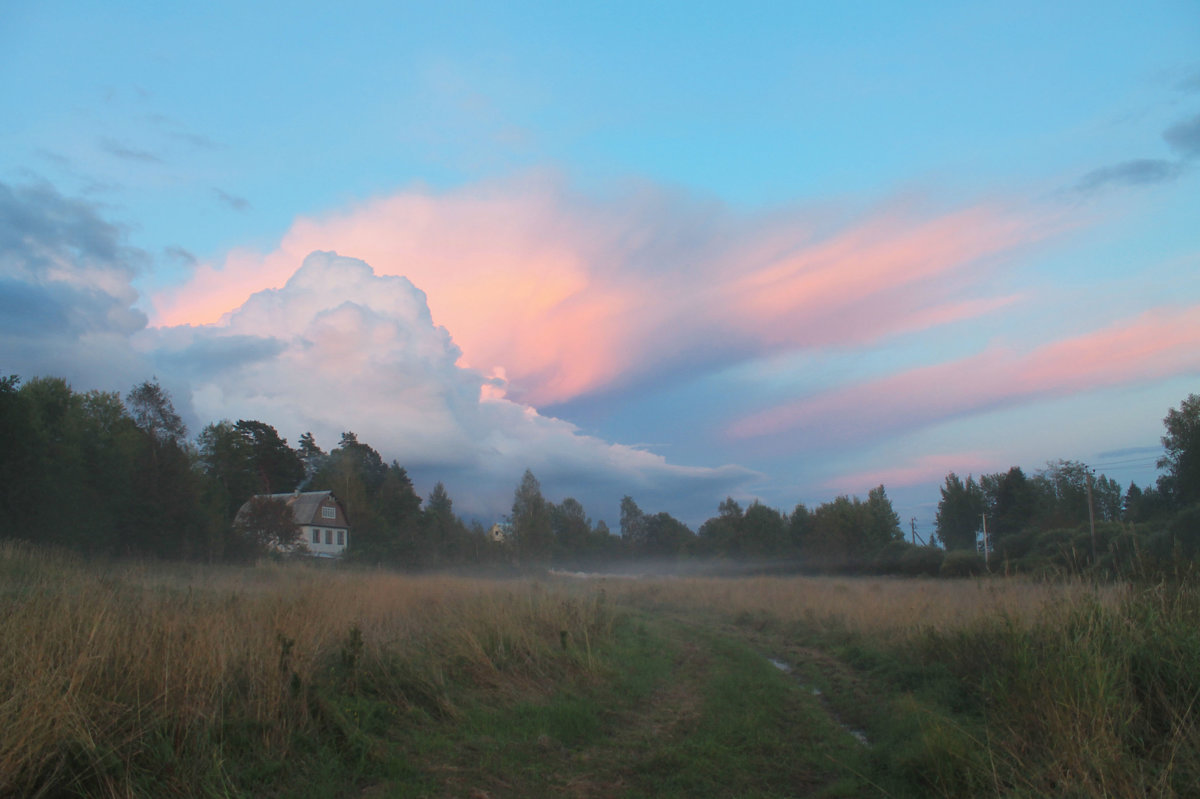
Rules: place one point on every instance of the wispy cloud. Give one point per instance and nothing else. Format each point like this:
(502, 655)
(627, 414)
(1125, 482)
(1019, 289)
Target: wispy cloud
(1160, 343)
(1184, 137)
(1190, 83)
(124, 151)
(181, 255)
(566, 294)
(921, 470)
(1138, 172)
(231, 200)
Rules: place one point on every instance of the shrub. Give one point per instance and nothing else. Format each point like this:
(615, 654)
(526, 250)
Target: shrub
(922, 561)
(962, 563)
(888, 559)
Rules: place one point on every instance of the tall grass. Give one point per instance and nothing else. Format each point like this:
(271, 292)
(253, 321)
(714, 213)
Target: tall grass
(996, 687)
(123, 679)
(880, 607)
(1088, 699)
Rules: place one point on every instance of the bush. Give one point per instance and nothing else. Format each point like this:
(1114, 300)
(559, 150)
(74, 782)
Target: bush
(962, 563)
(1185, 528)
(922, 561)
(1015, 546)
(888, 559)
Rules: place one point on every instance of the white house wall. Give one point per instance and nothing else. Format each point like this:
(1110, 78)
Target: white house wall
(322, 549)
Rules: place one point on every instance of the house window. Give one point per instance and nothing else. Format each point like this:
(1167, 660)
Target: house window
(341, 538)
(316, 536)
(329, 536)
(328, 513)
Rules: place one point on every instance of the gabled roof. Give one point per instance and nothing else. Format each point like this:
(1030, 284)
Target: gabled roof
(305, 506)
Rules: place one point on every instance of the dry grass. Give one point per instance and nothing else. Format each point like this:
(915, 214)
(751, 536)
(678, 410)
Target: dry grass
(106, 669)
(157, 679)
(892, 608)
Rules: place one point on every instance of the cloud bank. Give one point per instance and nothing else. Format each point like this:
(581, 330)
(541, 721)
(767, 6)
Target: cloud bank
(66, 290)
(564, 296)
(339, 347)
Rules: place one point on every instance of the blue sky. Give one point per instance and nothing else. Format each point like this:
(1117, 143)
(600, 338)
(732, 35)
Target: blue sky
(678, 251)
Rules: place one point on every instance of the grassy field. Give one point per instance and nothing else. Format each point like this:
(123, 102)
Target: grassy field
(125, 679)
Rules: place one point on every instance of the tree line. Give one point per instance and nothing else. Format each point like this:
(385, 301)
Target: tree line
(1065, 517)
(110, 475)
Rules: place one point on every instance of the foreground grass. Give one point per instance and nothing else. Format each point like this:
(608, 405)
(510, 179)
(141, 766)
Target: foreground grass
(986, 687)
(138, 680)
(132, 680)
(127, 680)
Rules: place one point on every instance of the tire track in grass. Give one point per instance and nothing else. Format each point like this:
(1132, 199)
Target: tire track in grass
(787, 668)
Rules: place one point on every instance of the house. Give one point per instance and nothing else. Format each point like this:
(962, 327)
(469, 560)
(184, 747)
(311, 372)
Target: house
(500, 532)
(320, 518)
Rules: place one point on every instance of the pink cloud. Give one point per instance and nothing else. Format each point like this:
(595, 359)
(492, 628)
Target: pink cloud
(339, 347)
(925, 469)
(1159, 343)
(568, 295)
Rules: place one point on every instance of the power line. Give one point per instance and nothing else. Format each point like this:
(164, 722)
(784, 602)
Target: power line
(1134, 461)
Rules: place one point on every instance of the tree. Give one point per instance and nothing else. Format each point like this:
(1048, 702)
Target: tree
(312, 456)
(1143, 505)
(1182, 445)
(442, 530)
(799, 526)
(883, 523)
(633, 524)
(356, 473)
(721, 535)
(20, 459)
(834, 533)
(389, 521)
(248, 458)
(166, 520)
(226, 460)
(666, 536)
(152, 410)
(268, 524)
(277, 467)
(763, 532)
(1107, 498)
(1063, 486)
(959, 512)
(1011, 501)
(572, 530)
(531, 520)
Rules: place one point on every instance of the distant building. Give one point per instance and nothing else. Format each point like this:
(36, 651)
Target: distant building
(321, 519)
(500, 532)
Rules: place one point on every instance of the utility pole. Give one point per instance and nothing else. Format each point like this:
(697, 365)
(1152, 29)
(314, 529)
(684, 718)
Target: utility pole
(912, 523)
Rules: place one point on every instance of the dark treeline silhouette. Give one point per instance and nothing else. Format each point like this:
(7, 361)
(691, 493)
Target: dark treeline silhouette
(106, 475)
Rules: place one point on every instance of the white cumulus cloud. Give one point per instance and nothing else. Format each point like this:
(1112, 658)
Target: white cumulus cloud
(340, 348)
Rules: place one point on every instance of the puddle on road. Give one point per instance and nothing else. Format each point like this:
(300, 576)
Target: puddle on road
(786, 668)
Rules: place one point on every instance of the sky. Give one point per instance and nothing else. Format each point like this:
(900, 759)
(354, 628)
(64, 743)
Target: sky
(773, 251)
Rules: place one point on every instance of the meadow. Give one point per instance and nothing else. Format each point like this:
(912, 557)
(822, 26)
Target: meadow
(129, 679)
